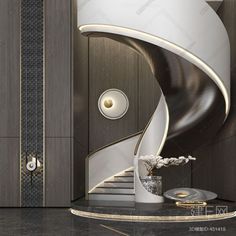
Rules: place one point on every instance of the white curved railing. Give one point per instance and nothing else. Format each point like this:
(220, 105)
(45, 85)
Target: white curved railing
(110, 161)
(187, 28)
(152, 143)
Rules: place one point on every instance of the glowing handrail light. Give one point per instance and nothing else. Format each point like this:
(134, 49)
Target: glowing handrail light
(164, 44)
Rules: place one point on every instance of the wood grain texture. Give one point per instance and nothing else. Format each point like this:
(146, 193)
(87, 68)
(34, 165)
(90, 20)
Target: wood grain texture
(9, 103)
(58, 172)
(227, 15)
(58, 117)
(111, 65)
(80, 108)
(58, 67)
(9, 172)
(215, 169)
(9, 68)
(78, 170)
(148, 93)
(175, 177)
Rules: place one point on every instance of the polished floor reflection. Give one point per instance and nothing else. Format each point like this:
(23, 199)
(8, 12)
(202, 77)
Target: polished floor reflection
(61, 222)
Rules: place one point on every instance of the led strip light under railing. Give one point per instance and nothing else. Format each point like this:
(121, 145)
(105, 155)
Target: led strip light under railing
(164, 44)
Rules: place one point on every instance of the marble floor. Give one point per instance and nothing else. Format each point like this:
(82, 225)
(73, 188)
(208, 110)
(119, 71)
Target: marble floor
(60, 222)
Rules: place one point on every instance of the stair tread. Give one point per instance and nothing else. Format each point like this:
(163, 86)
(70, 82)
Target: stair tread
(113, 187)
(118, 176)
(112, 193)
(118, 181)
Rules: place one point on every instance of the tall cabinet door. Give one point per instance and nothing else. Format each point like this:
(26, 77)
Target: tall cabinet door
(9, 102)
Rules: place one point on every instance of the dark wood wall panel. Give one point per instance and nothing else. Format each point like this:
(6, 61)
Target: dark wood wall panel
(176, 176)
(215, 167)
(58, 67)
(58, 105)
(57, 175)
(9, 172)
(9, 103)
(111, 65)
(148, 93)
(9, 68)
(80, 108)
(227, 14)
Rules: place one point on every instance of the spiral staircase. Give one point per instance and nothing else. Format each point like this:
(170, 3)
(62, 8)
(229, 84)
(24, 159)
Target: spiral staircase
(187, 48)
(118, 188)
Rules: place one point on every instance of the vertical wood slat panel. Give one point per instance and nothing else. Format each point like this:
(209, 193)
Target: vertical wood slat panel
(58, 102)
(9, 103)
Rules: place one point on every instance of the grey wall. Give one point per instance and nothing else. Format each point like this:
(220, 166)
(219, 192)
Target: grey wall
(80, 108)
(58, 102)
(111, 65)
(58, 106)
(216, 165)
(9, 102)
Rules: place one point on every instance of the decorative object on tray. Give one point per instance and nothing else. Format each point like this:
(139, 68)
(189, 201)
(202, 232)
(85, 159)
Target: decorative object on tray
(189, 196)
(152, 182)
(153, 163)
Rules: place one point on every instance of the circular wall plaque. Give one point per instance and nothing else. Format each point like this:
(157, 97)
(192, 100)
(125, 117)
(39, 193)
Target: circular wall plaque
(113, 104)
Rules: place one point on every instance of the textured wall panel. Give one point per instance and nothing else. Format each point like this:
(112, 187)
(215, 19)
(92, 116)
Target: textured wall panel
(80, 108)
(111, 65)
(9, 68)
(32, 113)
(58, 68)
(9, 103)
(215, 168)
(9, 172)
(57, 182)
(58, 86)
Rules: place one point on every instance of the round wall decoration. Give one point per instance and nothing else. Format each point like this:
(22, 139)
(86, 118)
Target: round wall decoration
(113, 104)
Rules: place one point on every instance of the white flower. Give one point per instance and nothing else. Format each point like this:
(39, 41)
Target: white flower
(151, 162)
(191, 158)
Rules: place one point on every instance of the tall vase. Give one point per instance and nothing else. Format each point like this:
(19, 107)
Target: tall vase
(152, 184)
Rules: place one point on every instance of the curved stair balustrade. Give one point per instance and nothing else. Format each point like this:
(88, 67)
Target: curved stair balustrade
(107, 169)
(187, 48)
